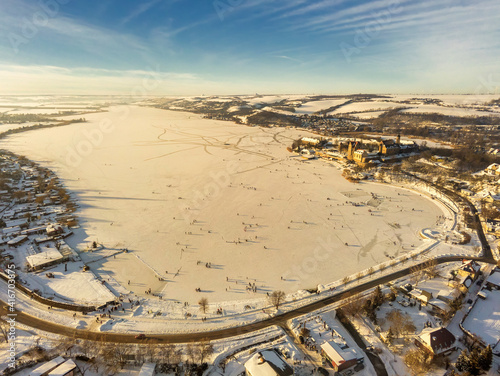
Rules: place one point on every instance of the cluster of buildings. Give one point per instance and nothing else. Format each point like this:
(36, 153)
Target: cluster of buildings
(387, 151)
(360, 151)
(31, 216)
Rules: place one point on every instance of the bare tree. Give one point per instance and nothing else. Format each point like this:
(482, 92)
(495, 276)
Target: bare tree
(114, 356)
(359, 276)
(203, 304)
(276, 298)
(91, 350)
(352, 304)
(417, 362)
(150, 351)
(200, 351)
(191, 353)
(399, 322)
(431, 268)
(170, 354)
(417, 272)
(346, 280)
(370, 271)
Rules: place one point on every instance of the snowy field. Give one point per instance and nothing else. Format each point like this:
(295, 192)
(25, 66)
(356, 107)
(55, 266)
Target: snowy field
(368, 115)
(315, 106)
(366, 106)
(449, 111)
(214, 205)
(453, 100)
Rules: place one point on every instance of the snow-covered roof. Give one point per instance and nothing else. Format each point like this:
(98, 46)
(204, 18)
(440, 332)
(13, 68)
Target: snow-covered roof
(422, 295)
(17, 240)
(9, 230)
(64, 368)
(439, 340)
(45, 257)
(494, 279)
(147, 369)
(439, 304)
(47, 367)
(268, 363)
(471, 266)
(335, 353)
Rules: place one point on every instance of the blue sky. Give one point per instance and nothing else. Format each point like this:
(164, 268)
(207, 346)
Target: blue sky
(199, 47)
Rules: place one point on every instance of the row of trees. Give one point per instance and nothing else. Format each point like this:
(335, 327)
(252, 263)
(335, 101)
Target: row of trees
(109, 358)
(276, 298)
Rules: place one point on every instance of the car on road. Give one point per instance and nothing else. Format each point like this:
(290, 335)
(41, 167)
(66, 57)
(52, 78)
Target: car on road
(140, 336)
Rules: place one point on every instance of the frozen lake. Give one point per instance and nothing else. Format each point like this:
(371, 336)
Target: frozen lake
(180, 191)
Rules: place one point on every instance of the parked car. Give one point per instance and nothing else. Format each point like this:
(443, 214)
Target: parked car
(140, 336)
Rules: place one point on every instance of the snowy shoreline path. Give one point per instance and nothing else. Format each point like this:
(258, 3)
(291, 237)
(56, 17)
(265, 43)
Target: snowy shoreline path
(124, 329)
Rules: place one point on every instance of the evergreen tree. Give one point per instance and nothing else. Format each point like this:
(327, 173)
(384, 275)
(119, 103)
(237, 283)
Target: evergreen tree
(390, 336)
(485, 358)
(462, 363)
(474, 368)
(378, 297)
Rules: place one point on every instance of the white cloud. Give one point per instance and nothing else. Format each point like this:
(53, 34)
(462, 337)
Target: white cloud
(17, 79)
(142, 8)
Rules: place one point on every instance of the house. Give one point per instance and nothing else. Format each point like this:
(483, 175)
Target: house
(469, 268)
(267, 363)
(17, 241)
(49, 257)
(464, 283)
(493, 281)
(436, 341)
(68, 368)
(54, 229)
(493, 169)
(338, 358)
(422, 296)
(46, 367)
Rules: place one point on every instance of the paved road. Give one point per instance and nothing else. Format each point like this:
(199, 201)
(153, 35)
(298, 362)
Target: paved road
(281, 319)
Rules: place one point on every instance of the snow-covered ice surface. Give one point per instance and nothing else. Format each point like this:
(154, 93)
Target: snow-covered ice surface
(181, 192)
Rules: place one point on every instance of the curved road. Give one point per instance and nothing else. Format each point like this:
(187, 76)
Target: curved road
(280, 319)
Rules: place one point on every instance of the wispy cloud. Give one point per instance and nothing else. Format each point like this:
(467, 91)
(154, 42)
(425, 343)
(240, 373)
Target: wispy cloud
(289, 58)
(85, 80)
(142, 8)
